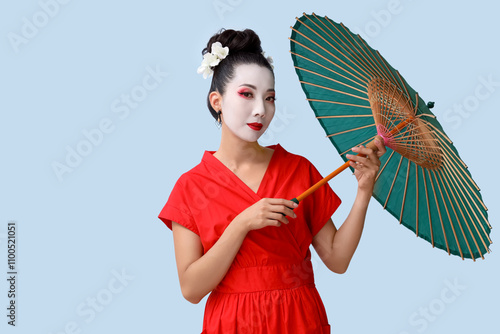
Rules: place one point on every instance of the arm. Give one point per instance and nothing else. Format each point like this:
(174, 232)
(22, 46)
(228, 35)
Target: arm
(200, 273)
(336, 247)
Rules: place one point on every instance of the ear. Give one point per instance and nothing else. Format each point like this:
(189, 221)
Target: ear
(215, 100)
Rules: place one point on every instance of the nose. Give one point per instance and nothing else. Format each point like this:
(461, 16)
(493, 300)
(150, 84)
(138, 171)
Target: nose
(260, 109)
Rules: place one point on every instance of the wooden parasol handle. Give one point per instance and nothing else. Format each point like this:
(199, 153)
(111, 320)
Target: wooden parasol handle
(331, 175)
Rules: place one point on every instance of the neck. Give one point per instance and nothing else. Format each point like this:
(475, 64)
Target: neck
(235, 152)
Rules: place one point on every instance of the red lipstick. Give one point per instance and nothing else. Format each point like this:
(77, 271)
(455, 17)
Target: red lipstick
(255, 126)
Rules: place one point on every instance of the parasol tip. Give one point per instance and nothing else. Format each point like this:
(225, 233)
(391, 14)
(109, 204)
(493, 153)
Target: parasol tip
(430, 104)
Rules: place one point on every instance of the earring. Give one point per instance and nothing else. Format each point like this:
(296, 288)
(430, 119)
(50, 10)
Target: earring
(218, 122)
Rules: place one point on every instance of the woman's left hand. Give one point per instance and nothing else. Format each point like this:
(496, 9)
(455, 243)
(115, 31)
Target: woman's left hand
(366, 164)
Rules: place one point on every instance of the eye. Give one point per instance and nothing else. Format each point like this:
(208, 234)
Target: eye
(245, 94)
(271, 98)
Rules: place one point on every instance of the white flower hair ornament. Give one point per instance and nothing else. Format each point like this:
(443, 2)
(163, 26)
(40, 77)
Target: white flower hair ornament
(269, 59)
(212, 59)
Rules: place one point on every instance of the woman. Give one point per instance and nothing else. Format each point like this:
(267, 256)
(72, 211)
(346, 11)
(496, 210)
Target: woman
(236, 234)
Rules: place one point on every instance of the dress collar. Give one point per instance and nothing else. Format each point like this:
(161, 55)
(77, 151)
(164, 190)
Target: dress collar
(208, 157)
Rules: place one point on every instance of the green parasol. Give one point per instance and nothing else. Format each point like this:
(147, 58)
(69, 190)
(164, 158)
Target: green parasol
(356, 95)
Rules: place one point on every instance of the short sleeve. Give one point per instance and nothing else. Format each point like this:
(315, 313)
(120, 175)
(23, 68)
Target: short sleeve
(320, 205)
(177, 208)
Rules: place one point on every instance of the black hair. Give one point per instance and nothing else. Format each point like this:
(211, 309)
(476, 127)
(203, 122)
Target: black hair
(244, 48)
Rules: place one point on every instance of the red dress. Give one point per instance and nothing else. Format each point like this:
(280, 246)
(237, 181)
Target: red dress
(269, 287)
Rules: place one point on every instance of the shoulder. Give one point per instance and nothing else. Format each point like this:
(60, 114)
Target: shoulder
(196, 173)
(300, 165)
(179, 206)
(293, 158)
(192, 174)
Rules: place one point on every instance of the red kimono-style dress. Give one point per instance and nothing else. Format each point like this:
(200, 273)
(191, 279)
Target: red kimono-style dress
(269, 287)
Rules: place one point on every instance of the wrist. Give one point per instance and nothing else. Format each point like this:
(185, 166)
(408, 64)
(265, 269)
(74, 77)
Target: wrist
(240, 225)
(364, 195)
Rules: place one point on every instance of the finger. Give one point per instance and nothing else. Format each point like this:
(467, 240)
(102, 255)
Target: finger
(273, 222)
(366, 156)
(373, 160)
(361, 150)
(289, 212)
(360, 167)
(284, 206)
(278, 217)
(366, 165)
(282, 201)
(369, 164)
(379, 142)
(356, 158)
(357, 166)
(284, 210)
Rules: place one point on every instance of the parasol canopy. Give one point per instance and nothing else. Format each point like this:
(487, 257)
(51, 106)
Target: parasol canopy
(356, 95)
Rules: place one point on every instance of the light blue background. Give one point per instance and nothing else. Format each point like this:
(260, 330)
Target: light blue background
(76, 233)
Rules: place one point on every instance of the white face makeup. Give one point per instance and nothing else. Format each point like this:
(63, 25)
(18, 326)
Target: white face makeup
(248, 102)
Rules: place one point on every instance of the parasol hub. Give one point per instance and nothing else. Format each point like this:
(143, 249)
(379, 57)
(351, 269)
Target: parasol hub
(396, 122)
(384, 133)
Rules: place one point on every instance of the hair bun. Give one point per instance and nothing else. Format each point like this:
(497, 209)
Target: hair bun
(237, 41)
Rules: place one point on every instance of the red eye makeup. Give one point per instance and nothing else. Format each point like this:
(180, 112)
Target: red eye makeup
(244, 92)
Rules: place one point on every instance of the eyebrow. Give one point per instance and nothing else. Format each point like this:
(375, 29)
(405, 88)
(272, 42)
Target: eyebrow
(253, 87)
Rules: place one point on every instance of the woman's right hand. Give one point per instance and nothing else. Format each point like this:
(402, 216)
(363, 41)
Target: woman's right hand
(266, 212)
